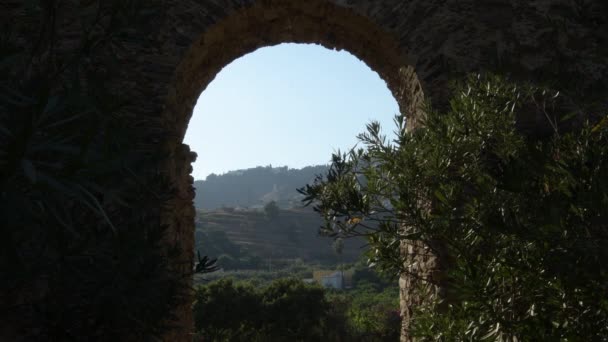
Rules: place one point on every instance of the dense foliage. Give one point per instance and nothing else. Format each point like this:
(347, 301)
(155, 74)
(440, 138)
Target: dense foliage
(519, 220)
(286, 309)
(78, 259)
(370, 310)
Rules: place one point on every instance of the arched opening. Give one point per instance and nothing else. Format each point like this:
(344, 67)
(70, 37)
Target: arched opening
(316, 22)
(287, 105)
(261, 25)
(265, 126)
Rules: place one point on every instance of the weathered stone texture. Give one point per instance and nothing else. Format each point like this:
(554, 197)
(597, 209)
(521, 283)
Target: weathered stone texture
(416, 46)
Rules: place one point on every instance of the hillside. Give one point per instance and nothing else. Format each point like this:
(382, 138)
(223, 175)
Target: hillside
(252, 237)
(251, 188)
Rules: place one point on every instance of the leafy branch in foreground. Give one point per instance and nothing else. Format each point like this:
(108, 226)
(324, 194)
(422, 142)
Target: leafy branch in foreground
(523, 217)
(205, 264)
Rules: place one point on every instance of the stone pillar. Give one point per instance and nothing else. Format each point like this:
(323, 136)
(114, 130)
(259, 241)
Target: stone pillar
(423, 279)
(179, 217)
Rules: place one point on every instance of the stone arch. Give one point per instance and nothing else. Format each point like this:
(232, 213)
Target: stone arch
(266, 24)
(276, 22)
(415, 46)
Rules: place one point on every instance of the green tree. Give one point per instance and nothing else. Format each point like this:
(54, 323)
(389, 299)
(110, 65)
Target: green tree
(271, 209)
(285, 310)
(225, 311)
(523, 218)
(295, 310)
(373, 314)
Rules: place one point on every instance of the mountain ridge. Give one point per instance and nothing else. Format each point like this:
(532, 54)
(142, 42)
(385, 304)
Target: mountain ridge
(254, 187)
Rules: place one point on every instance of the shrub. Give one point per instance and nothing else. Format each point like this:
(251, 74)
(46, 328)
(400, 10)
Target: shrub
(521, 219)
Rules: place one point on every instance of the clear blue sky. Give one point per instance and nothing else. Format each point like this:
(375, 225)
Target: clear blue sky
(291, 104)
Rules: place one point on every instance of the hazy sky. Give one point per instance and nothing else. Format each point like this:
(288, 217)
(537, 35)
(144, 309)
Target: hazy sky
(291, 104)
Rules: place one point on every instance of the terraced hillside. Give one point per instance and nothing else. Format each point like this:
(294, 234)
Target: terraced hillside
(292, 233)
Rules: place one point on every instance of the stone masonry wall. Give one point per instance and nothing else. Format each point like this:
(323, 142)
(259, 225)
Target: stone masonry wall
(416, 46)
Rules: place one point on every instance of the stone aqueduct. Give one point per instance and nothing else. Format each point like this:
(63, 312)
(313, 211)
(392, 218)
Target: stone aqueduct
(416, 46)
